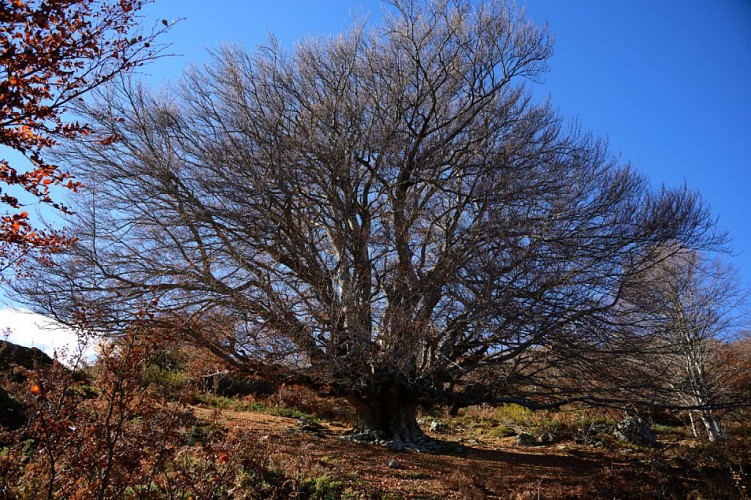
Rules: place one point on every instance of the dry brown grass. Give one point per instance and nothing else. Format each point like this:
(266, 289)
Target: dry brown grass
(494, 467)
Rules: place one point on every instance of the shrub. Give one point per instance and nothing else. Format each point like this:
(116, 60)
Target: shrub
(91, 441)
(323, 488)
(124, 431)
(310, 402)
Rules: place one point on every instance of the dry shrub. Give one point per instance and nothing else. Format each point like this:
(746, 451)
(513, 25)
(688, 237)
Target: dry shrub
(468, 485)
(722, 469)
(231, 465)
(91, 438)
(124, 431)
(309, 401)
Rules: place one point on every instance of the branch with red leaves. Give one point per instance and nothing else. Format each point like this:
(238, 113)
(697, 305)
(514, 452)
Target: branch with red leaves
(53, 51)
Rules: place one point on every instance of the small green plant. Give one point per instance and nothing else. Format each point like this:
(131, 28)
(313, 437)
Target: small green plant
(165, 369)
(514, 413)
(323, 488)
(165, 379)
(521, 419)
(202, 433)
(668, 429)
(213, 401)
(503, 431)
(350, 494)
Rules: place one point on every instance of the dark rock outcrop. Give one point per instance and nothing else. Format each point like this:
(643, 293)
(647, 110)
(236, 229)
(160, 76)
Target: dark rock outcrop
(17, 355)
(13, 357)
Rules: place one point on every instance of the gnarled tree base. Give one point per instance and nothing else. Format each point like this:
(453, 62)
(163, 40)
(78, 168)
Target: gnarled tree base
(422, 444)
(388, 416)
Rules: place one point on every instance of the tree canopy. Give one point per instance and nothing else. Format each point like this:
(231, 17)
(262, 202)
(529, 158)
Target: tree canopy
(387, 213)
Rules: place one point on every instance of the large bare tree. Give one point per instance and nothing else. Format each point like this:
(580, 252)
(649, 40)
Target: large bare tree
(387, 213)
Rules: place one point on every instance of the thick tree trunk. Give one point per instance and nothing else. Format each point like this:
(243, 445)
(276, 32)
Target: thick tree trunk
(388, 413)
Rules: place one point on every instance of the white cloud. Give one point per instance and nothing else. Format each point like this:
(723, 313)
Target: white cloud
(29, 329)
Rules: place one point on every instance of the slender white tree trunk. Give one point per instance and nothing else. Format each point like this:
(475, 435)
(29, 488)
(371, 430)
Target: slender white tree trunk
(712, 424)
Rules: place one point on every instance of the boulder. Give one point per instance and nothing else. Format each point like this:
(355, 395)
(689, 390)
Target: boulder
(526, 439)
(546, 438)
(633, 429)
(309, 425)
(438, 427)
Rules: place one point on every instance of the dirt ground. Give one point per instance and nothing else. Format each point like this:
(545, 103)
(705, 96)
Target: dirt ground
(487, 468)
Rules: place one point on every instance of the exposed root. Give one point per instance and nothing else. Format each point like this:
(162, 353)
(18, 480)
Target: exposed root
(420, 443)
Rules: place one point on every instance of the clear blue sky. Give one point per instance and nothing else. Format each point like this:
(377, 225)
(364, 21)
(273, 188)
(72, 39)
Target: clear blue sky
(667, 82)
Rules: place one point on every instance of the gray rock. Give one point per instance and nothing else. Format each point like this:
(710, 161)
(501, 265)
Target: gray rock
(393, 464)
(364, 437)
(525, 439)
(546, 438)
(396, 445)
(635, 430)
(438, 427)
(309, 426)
(591, 433)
